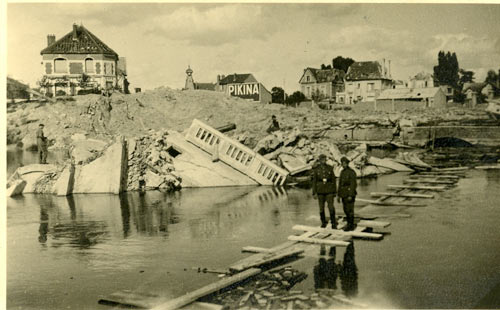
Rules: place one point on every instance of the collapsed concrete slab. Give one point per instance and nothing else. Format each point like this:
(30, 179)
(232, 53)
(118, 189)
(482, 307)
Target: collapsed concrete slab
(196, 168)
(15, 188)
(31, 174)
(105, 174)
(65, 182)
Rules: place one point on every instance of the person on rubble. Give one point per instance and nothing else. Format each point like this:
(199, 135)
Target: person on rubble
(41, 141)
(275, 126)
(324, 189)
(396, 132)
(347, 191)
(105, 108)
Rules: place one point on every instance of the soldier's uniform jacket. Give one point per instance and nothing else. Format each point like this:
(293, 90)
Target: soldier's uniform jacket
(347, 183)
(40, 137)
(323, 180)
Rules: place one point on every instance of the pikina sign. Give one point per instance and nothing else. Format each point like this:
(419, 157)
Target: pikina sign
(245, 91)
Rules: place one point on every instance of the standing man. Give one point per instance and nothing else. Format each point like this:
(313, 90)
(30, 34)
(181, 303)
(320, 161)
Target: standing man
(324, 189)
(347, 191)
(41, 142)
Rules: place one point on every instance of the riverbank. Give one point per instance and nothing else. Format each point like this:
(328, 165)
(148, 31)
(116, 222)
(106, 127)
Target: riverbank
(90, 246)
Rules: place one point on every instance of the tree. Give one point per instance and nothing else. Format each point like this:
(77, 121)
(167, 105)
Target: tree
(465, 77)
(317, 96)
(342, 63)
(324, 67)
(295, 98)
(278, 95)
(492, 77)
(446, 71)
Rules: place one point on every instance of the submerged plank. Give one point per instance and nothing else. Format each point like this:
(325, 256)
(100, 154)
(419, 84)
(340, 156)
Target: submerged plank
(374, 224)
(428, 188)
(264, 258)
(318, 241)
(389, 203)
(209, 289)
(255, 249)
(438, 176)
(450, 169)
(339, 232)
(409, 195)
(450, 182)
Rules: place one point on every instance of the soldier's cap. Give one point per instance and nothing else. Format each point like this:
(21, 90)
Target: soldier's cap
(322, 156)
(344, 159)
(41, 125)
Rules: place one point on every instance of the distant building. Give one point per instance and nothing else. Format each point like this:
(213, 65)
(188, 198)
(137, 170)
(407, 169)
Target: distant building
(428, 97)
(421, 80)
(191, 84)
(244, 86)
(80, 60)
(399, 84)
(324, 82)
(472, 92)
(365, 80)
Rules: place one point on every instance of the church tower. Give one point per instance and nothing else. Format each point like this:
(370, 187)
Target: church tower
(189, 79)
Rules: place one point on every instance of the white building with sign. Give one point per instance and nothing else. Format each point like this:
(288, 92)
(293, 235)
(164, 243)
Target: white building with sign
(244, 86)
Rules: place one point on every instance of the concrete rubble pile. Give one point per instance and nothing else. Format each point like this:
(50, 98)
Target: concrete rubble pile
(297, 152)
(149, 163)
(273, 290)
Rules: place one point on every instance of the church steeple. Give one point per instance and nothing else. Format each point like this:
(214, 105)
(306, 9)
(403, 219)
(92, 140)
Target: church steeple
(189, 78)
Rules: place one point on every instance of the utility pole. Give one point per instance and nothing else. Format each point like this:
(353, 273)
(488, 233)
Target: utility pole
(284, 92)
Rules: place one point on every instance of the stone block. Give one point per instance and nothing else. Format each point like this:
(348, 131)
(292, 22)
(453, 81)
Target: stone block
(65, 182)
(16, 188)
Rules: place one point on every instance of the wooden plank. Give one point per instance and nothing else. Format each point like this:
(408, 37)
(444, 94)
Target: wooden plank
(389, 203)
(430, 181)
(428, 188)
(265, 259)
(488, 167)
(388, 163)
(450, 169)
(254, 249)
(319, 241)
(439, 176)
(373, 224)
(144, 300)
(208, 289)
(339, 232)
(389, 194)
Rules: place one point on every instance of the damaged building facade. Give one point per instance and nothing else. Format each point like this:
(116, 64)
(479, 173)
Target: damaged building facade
(80, 61)
(324, 83)
(244, 86)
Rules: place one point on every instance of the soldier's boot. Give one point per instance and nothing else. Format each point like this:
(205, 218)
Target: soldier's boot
(323, 219)
(350, 224)
(333, 219)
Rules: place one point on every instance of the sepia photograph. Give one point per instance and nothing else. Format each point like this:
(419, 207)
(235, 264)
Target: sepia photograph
(250, 156)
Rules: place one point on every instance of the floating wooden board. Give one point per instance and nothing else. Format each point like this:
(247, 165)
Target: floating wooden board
(450, 169)
(488, 167)
(388, 163)
(319, 241)
(264, 258)
(430, 181)
(438, 176)
(338, 232)
(409, 195)
(388, 203)
(254, 249)
(428, 188)
(129, 299)
(188, 298)
(373, 224)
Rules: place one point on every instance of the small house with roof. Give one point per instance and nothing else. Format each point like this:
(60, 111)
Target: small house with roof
(244, 86)
(323, 82)
(365, 80)
(399, 99)
(421, 80)
(80, 60)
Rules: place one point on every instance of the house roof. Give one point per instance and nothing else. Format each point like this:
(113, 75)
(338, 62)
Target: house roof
(422, 76)
(477, 87)
(204, 86)
(365, 70)
(409, 93)
(79, 41)
(325, 75)
(238, 79)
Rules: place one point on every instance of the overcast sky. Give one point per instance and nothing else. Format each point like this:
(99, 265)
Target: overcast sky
(275, 42)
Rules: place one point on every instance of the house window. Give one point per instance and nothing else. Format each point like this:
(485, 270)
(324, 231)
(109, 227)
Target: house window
(308, 91)
(89, 65)
(60, 65)
(108, 69)
(371, 86)
(449, 90)
(308, 78)
(359, 85)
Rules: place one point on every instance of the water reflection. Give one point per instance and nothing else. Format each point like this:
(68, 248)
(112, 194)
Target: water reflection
(64, 230)
(327, 271)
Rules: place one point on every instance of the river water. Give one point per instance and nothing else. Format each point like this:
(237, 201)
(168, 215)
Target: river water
(67, 252)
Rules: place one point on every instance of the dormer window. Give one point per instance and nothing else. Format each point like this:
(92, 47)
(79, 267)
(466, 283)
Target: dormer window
(308, 78)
